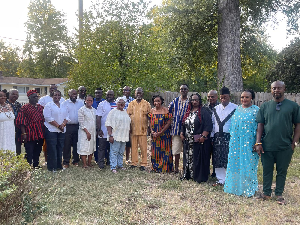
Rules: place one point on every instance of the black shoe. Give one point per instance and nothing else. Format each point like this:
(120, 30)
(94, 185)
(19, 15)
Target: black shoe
(132, 167)
(213, 175)
(142, 168)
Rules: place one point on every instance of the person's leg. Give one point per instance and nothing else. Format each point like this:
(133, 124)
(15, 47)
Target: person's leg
(142, 140)
(59, 148)
(268, 161)
(51, 141)
(97, 148)
(127, 154)
(29, 148)
(114, 149)
(74, 144)
(177, 147)
(37, 151)
(89, 163)
(134, 150)
(83, 157)
(18, 143)
(67, 145)
(101, 152)
(107, 153)
(45, 150)
(283, 159)
(121, 154)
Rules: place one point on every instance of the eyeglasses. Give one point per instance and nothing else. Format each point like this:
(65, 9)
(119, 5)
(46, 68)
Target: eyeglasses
(278, 106)
(183, 89)
(194, 100)
(82, 90)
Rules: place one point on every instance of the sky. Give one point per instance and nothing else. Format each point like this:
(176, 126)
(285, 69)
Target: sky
(13, 15)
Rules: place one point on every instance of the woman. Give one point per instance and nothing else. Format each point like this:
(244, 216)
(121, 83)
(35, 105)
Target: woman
(86, 144)
(118, 127)
(241, 176)
(197, 125)
(161, 147)
(56, 118)
(7, 126)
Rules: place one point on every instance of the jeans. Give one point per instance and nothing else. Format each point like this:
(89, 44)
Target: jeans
(71, 139)
(55, 144)
(116, 154)
(33, 150)
(96, 152)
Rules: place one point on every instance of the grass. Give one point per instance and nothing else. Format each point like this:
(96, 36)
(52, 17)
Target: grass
(91, 196)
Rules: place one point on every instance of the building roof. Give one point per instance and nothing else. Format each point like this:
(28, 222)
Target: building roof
(32, 81)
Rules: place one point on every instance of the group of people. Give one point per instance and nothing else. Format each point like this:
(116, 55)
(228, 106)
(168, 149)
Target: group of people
(233, 136)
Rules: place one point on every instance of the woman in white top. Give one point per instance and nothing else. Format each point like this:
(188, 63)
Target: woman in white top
(7, 125)
(86, 144)
(118, 127)
(56, 117)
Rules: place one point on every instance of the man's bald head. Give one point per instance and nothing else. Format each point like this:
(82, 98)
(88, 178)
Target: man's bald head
(277, 90)
(212, 97)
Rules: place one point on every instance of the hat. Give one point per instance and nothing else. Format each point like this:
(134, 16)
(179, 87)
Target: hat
(121, 98)
(30, 92)
(224, 91)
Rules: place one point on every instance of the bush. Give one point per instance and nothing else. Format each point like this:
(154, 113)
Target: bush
(14, 184)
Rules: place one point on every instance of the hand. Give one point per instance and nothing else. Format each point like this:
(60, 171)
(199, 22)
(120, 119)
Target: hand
(100, 133)
(259, 149)
(293, 146)
(201, 140)
(182, 137)
(61, 127)
(88, 136)
(24, 138)
(111, 139)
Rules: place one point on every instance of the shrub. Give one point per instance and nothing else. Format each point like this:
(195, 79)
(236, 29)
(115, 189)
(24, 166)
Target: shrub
(14, 183)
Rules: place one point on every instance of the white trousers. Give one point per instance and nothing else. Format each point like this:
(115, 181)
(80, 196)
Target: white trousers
(221, 174)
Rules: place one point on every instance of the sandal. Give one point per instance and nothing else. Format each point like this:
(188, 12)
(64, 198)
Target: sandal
(85, 167)
(263, 197)
(218, 184)
(280, 200)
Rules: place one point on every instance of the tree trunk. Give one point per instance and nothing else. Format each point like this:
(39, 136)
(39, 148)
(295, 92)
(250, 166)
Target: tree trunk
(229, 56)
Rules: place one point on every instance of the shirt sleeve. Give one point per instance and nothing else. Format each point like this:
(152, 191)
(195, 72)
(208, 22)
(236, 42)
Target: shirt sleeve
(48, 113)
(171, 107)
(99, 111)
(260, 115)
(109, 119)
(20, 118)
(81, 119)
(207, 122)
(129, 109)
(296, 115)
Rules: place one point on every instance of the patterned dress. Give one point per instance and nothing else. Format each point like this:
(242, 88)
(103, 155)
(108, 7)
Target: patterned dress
(241, 175)
(161, 147)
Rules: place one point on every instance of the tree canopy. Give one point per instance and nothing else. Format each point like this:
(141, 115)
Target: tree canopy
(9, 59)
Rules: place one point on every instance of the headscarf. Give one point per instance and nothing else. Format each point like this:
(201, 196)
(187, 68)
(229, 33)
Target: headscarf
(121, 98)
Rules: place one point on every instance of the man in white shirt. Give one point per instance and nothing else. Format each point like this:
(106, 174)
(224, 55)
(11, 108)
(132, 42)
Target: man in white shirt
(81, 93)
(71, 137)
(222, 114)
(103, 109)
(48, 98)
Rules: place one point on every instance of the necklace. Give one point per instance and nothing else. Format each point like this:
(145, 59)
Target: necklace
(7, 109)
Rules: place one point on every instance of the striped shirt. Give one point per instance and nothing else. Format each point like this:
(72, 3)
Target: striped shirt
(178, 108)
(33, 119)
(128, 100)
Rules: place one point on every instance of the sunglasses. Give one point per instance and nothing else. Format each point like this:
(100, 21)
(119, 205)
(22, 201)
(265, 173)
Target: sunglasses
(278, 106)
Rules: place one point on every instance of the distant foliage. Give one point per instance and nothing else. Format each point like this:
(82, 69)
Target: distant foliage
(9, 60)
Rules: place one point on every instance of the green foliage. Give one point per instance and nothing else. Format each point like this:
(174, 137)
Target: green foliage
(47, 48)
(14, 183)
(287, 67)
(9, 60)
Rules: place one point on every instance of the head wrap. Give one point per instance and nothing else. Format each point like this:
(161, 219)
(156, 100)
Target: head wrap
(30, 92)
(224, 91)
(121, 98)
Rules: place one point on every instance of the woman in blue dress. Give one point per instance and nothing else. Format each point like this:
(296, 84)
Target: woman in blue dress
(241, 175)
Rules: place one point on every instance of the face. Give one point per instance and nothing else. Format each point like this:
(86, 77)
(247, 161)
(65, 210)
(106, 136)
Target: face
(195, 101)
(2, 97)
(13, 96)
(82, 91)
(56, 96)
(98, 94)
(157, 102)
(126, 91)
(73, 95)
(33, 99)
(246, 98)
(212, 98)
(277, 90)
(225, 99)
(52, 89)
(121, 105)
(139, 94)
(184, 90)
(110, 96)
(89, 102)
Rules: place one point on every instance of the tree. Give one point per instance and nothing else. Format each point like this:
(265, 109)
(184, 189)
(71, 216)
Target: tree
(287, 67)
(9, 60)
(47, 47)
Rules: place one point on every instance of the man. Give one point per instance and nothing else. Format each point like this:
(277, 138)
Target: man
(276, 119)
(43, 101)
(126, 93)
(98, 98)
(212, 98)
(16, 106)
(31, 122)
(102, 111)
(178, 108)
(138, 111)
(222, 114)
(81, 93)
(71, 136)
